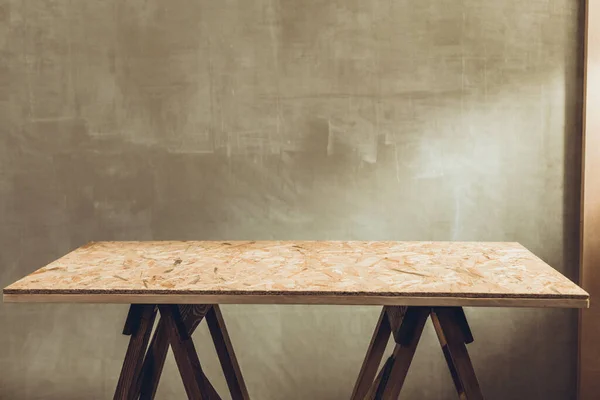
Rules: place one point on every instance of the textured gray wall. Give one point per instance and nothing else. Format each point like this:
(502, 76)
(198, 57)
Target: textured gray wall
(287, 119)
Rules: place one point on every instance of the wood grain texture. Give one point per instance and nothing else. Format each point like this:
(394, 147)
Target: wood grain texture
(589, 346)
(139, 325)
(303, 270)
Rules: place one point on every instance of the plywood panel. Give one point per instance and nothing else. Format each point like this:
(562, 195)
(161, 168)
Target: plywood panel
(302, 270)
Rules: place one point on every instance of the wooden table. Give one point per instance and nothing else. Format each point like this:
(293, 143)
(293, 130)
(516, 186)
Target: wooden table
(186, 281)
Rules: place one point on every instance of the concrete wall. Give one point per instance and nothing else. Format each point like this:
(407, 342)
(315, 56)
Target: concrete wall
(320, 119)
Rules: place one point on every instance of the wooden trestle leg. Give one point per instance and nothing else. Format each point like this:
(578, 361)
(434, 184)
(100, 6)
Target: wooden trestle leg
(454, 334)
(406, 324)
(140, 375)
(138, 325)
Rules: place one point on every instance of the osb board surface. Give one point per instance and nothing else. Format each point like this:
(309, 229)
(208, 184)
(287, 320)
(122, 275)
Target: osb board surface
(302, 269)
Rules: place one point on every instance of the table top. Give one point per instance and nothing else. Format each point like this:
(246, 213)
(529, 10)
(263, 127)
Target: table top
(301, 272)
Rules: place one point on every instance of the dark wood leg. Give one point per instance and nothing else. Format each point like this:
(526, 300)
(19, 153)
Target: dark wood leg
(155, 357)
(407, 339)
(376, 391)
(406, 324)
(231, 368)
(453, 333)
(379, 341)
(185, 353)
(139, 325)
(154, 362)
(140, 376)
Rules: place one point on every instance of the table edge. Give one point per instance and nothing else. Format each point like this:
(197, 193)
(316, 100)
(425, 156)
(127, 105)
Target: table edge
(531, 302)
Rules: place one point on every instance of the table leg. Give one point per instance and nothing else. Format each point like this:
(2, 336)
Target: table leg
(407, 338)
(140, 375)
(406, 324)
(453, 333)
(185, 353)
(231, 368)
(155, 357)
(376, 389)
(139, 326)
(379, 341)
